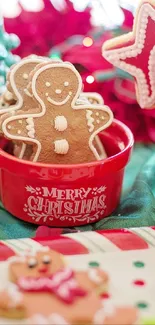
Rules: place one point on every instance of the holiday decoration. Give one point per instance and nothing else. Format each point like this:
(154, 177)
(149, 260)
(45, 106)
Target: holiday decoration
(7, 43)
(41, 30)
(135, 53)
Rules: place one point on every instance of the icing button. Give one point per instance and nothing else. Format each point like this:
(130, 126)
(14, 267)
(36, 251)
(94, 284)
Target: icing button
(60, 123)
(61, 146)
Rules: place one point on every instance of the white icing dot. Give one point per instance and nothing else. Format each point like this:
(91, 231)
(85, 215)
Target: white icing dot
(20, 121)
(47, 84)
(9, 127)
(66, 83)
(32, 261)
(25, 76)
(58, 91)
(46, 259)
(97, 121)
(97, 114)
(19, 132)
(46, 94)
(103, 118)
(70, 93)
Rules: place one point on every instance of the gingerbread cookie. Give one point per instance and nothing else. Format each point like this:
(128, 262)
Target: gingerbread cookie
(11, 303)
(69, 129)
(44, 277)
(17, 95)
(54, 293)
(135, 53)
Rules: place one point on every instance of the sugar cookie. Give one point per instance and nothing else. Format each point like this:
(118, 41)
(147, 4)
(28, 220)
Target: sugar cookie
(135, 53)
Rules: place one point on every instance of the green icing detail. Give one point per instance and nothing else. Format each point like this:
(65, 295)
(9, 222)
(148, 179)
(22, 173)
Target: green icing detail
(94, 264)
(142, 305)
(139, 264)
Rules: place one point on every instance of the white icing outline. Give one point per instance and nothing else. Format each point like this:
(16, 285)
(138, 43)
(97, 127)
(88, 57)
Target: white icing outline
(100, 148)
(73, 106)
(27, 92)
(116, 55)
(21, 154)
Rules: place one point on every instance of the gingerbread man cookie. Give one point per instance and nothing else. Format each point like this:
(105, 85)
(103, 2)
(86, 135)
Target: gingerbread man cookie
(135, 53)
(17, 95)
(44, 277)
(54, 293)
(62, 132)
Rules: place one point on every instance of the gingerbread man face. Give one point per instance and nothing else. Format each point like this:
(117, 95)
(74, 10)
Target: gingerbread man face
(57, 84)
(41, 264)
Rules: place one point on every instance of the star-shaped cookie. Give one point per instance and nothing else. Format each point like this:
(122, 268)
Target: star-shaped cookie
(61, 131)
(135, 53)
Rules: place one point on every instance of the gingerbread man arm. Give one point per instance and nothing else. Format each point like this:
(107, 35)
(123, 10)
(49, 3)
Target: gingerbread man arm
(21, 128)
(98, 118)
(93, 279)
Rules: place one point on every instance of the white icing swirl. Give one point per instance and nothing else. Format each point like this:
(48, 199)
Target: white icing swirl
(60, 123)
(30, 127)
(90, 120)
(61, 146)
(53, 319)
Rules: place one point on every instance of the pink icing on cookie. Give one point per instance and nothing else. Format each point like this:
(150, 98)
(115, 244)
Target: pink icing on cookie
(62, 284)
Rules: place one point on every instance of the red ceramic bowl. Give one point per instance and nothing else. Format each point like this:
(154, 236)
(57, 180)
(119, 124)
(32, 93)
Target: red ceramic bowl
(71, 195)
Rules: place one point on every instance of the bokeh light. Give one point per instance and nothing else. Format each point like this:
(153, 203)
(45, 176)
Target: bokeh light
(90, 79)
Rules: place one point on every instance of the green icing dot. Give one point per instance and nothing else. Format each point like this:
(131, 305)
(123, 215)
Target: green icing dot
(139, 264)
(94, 264)
(142, 305)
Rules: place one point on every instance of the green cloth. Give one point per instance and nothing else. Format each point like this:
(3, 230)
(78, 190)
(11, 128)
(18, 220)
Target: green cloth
(137, 206)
